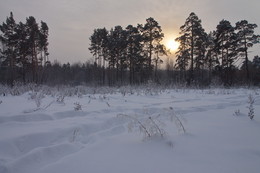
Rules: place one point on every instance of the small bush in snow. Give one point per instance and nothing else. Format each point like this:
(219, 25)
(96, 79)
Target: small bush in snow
(78, 106)
(60, 99)
(237, 113)
(150, 126)
(74, 135)
(176, 120)
(251, 102)
(153, 126)
(256, 92)
(37, 97)
(104, 98)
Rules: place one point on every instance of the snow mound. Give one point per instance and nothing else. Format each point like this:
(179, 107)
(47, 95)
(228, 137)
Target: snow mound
(50, 135)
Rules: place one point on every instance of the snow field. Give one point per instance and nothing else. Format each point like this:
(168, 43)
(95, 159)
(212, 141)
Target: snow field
(41, 133)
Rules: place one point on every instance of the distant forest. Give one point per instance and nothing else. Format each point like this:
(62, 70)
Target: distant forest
(133, 55)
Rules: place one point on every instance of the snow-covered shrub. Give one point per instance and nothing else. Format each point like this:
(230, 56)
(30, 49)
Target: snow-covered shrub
(3, 90)
(153, 89)
(78, 106)
(256, 92)
(174, 118)
(20, 88)
(104, 98)
(124, 90)
(237, 112)
(37, 97)
(150, 126)
(60, 99)
(74, 135)
(226, 91)
(91, 97)
(251, 102)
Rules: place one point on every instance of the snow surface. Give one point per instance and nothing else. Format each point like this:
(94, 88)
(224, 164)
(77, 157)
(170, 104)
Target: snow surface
(56, 138)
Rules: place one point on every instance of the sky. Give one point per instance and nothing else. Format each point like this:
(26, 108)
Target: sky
(72, 22)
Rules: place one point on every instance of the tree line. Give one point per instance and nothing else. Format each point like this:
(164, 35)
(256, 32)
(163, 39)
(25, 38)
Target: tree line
(202, 58)
(133, 55)
(24, 51)
(215, 53)
(135, 50)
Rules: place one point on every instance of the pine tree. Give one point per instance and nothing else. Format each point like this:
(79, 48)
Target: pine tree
(211, 57)
(182, 54)
(134, 53)
(9, 39)
(99, 49)
(256, 70)
(256, 62)
(246, 39)
(160, 50)
(152, 37)
(43, 42)
(193, 37)
(117, 47)
(226, 48)
(23, 49)
(34, 44)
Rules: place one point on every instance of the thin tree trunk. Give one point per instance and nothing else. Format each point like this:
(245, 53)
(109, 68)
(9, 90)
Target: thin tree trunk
(12, 70)
(247, 69)
(192, 55)
(246, 60)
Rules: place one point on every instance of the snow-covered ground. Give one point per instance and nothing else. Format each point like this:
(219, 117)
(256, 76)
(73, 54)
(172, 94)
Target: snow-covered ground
(90, 133)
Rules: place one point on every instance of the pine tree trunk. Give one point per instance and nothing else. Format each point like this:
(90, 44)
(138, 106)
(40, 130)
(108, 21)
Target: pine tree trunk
(192, 54)
(131, 72)
(103, 72)
(150, 55)
(247, 69)
(11, 81)
(24, 68)
(246, 60)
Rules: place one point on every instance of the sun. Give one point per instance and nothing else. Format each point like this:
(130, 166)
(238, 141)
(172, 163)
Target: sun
(172, 45)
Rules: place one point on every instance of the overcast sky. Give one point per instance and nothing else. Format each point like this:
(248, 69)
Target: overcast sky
(71, 22)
